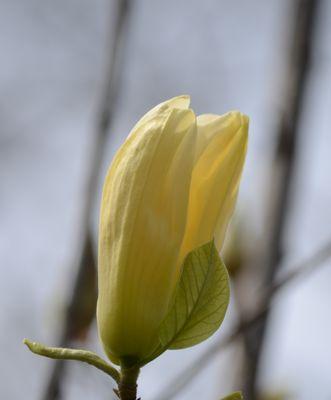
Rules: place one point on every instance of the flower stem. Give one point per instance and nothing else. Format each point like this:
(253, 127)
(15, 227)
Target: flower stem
(127, 387)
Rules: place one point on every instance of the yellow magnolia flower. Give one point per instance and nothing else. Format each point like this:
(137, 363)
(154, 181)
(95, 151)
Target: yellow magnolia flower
(171, 187)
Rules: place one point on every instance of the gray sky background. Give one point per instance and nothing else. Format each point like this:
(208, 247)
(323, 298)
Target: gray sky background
(226, 55)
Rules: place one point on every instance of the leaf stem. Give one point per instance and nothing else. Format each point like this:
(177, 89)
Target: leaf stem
(72, 354)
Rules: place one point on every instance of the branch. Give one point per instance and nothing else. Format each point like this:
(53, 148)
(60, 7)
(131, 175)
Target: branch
(60, 353)
(304, 23)
(81, 308)
(183, 379)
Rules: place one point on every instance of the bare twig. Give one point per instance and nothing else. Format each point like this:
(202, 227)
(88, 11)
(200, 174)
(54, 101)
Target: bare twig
(310, 265)
(284, 164)
(81, 307)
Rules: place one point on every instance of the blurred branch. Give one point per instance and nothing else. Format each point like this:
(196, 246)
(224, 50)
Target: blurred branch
(310, 265)
(81, 307)
(296, 83)
(60, 353)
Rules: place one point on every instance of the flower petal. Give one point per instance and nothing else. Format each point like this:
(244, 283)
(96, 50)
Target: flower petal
(219, 159)
(142, 224)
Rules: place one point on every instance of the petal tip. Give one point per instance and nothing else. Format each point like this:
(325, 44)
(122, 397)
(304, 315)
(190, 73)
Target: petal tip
(242, 119)
(181, 101)
(245, 119)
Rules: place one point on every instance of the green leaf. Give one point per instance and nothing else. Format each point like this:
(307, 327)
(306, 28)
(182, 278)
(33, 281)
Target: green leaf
(234, 396)
(200, 301)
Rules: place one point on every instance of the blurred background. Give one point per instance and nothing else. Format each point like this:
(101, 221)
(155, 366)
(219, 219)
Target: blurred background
(75, 75)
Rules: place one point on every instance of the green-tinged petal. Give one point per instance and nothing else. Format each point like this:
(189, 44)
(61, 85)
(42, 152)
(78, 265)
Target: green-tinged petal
(142, 223)
(219, 159)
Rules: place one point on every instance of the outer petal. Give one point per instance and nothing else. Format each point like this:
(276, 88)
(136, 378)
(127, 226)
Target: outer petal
(142, 224)
(220, 155)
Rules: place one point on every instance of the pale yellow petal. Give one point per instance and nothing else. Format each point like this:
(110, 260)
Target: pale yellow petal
(180, 102)
(142, 224)
(219, 159)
